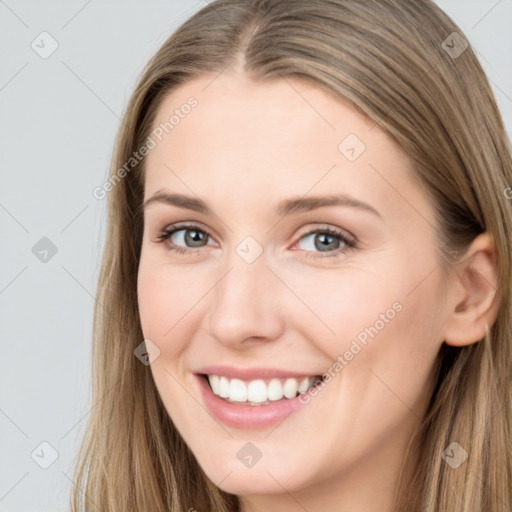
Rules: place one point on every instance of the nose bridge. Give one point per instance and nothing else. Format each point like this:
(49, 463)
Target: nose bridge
(245, 301)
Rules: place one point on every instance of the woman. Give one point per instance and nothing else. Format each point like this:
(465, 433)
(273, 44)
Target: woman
(304, 302)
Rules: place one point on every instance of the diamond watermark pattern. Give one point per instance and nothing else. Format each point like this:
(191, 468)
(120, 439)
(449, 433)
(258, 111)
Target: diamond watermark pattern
(249, 249)
(351, 147)
(454, 45)
(147, 352)
(454, 455)
(44, 250)
(249, 455)
(44, 45)
(44, 455)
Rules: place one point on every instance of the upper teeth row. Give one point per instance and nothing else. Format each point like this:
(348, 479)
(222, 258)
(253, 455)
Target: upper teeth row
(257, 390)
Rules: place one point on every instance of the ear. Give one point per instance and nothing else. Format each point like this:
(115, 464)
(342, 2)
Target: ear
(473, 294)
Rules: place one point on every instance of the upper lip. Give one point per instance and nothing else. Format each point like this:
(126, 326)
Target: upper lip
(255, 373)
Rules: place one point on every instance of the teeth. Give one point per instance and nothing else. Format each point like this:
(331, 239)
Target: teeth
(275, 390)
(259, 392)
(256, 391)
(305, 385)
(223, 387)
(214, 383)
(237, 391)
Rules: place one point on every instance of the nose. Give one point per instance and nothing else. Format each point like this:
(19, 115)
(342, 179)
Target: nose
(246, 305)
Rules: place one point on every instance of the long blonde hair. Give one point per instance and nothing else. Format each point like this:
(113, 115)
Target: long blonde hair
(394, 61)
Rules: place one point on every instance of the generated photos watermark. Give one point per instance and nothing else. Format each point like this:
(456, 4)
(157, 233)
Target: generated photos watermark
(150, 143)
(357, 345)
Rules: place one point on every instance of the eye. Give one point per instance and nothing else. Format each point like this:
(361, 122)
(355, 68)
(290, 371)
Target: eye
(323, 242)
(184, 234)
(326, 242)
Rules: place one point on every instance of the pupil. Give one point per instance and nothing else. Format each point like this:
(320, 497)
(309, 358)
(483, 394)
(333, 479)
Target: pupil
(325, 244)
(198, 236)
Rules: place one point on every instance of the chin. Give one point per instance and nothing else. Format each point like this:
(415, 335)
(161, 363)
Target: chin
(265, 477)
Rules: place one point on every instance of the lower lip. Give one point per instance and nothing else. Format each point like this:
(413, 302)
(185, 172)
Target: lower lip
(247, 416)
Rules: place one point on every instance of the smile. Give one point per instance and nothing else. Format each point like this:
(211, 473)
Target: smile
(253, 398)
(260, 391)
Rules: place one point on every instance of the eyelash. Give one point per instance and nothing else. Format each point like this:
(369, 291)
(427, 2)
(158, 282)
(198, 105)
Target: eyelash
(349, 244)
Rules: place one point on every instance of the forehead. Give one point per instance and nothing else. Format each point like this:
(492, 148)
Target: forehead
(246, 139)
(230, 109)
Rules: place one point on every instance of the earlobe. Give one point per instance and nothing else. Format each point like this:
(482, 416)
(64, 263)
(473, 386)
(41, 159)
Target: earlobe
(474, 294)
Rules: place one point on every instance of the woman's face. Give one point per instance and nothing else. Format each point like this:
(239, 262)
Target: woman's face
(301, 247)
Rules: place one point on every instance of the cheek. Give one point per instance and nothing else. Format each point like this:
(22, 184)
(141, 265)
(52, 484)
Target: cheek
(386, 319)
(388, 354)
(165, 313)
(346, 303)
(162, 301)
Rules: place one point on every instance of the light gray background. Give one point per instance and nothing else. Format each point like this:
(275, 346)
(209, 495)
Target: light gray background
(59, 118)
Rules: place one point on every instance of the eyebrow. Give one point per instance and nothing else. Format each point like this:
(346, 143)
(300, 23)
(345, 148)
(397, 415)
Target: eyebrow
(285, 207)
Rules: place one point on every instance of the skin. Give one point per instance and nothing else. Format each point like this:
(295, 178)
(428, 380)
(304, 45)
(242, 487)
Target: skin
(245, 147)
